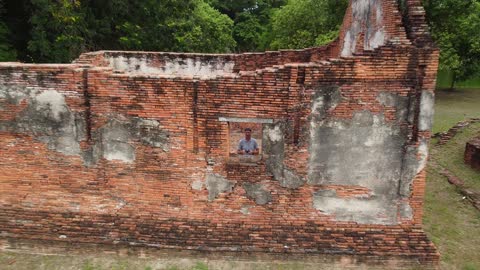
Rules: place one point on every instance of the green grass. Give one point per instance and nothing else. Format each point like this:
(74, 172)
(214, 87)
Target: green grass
(450, 156)
(25, 261)
(454, 106)
(452, 222)
(444, 80)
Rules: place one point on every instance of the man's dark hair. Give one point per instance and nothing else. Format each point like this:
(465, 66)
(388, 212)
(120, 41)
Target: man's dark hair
(248, 129)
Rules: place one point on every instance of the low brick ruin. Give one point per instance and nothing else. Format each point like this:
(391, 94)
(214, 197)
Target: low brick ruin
(472, 153)
(134, 147)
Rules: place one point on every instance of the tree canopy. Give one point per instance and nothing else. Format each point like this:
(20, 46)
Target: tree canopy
(306, 23)
(455, 26)
(60, 30)
(7, 52)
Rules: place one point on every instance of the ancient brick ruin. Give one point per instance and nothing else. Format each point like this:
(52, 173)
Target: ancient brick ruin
(135, 147)
(472, 153)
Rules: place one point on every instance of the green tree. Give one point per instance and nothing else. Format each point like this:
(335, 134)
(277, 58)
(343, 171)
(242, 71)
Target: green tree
(233, 8)
(455, 26)
(206, 30)
(177, 26)
(306, 23)
(59, 32)
(248, 32)
(251, 21)
(62, 29)
(7, 52)
(103, 18)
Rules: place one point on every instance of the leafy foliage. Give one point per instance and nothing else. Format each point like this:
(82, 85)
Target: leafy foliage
(455, 27)
(207, 30)
(62, 29)
(252, 20)
(306, 23)
(7, 52)
(59, 31)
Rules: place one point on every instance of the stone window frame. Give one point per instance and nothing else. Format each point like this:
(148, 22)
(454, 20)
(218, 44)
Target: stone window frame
(229, 120)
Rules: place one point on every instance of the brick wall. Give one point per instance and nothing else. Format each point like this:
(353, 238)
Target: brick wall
(130, 148)
(472, 153)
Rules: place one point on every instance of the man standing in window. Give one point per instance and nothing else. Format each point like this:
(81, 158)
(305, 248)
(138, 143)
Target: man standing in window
(248, 145)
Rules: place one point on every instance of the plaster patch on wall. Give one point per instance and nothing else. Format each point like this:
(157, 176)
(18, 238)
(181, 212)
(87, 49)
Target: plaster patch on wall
(274, 150)
(197, 185)
(291, 180)
(349, 42)
(375, 39)
(372, 210)
(245, 210)
(405, 211)
(414, 161)
(47, 117)
(325, 99)
(400, 103)
(364, 151)
(422, 155)
(217, 184)
(149, 132)
(427, 102)
(275, 134)
(115, 140)
(363, 21)
(258, 193)
(191, 67)
(52, 101)
(14, 94)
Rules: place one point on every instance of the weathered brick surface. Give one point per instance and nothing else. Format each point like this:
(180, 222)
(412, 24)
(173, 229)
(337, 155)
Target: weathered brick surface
(472, 153)
(129, 147)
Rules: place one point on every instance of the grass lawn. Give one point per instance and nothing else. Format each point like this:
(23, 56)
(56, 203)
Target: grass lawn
(452, 223)
(454, 106)
(444, 80)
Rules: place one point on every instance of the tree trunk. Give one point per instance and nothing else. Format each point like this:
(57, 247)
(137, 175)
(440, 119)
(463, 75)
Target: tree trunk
(454, 79)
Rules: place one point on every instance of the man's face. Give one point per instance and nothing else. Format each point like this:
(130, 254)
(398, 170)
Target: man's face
(248, 134)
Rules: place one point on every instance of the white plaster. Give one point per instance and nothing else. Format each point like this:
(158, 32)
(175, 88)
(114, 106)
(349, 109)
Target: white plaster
(245, 210)
(334, 204)
(318, 104)
(150, 123)
(16, 93)
(362, 211)
(427, 102)
(422, 155)
(376, 41)
(245, 120)
(132, 65)
(379, 134)
(197, 185)
(118, 155)
(349, 44)
(68, 144)
(120, 205)
(356, 152)
(275, 134)
(190, 67)
(361, 8)
(361, 22)
(53, 101)
(405, 210)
